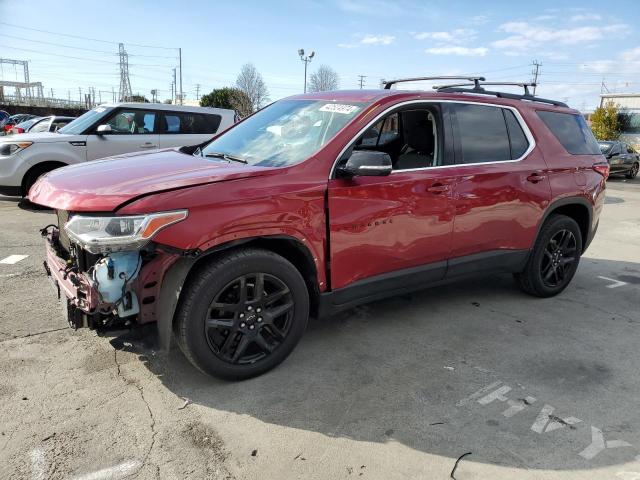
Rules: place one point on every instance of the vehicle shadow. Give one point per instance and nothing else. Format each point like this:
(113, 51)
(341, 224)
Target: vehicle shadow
(399, 370)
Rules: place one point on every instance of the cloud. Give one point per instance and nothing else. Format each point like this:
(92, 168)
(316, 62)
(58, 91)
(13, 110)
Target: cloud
(585, 17)
(526, 36)
(370, 7)
(369, 39)
(458, 50)
(459, 35)
(377, 39)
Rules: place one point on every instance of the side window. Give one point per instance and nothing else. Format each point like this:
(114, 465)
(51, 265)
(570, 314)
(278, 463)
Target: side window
(571, 131)
(191, 123)
(630, 149)
(419, 140)
(383, 132)
(482, 133)
(616, 150)
(133, 122)
(517, 138)
(41, 126)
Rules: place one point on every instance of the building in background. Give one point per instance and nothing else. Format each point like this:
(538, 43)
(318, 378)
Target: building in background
(629, 106)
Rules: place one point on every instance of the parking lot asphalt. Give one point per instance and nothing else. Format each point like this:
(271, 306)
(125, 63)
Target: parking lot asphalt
(530, 388)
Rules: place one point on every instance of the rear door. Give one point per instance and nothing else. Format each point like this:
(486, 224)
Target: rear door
(502, 188)
(132, 130)
(178, 129)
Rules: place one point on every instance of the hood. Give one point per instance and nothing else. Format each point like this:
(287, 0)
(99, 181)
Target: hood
(43, 137)
(104, 185)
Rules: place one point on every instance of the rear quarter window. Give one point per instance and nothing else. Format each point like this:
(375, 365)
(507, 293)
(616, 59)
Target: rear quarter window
(572, 132)
(191, 123)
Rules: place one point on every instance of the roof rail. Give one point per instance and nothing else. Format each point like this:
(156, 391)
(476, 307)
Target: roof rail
(476, 80)
(478, 88)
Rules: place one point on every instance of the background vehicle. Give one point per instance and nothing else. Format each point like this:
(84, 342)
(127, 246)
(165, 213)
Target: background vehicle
(49, 124)
(23, 127)
(622, 158)
(296, 211)
(8, 123)
(111, 129)
(3, 115)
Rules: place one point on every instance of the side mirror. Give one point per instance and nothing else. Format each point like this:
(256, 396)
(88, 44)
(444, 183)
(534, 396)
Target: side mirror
(366, 163)
(102, 129)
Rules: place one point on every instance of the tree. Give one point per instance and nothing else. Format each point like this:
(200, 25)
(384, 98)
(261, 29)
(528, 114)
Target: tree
(323, 79)
(605, 122)
(251, 83)
(228, 97)
(138, 98)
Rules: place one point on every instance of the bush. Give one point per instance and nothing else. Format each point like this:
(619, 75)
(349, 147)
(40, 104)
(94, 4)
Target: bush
(605, 122)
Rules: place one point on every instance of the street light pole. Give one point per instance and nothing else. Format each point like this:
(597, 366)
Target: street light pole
(306, 60)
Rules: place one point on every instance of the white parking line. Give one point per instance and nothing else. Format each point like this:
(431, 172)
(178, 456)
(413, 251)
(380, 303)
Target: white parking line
(11, 259)
(38, 464)
(615, 284)
(121, 470)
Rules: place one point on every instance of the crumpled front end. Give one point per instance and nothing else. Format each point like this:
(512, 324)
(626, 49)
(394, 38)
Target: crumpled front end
(104, 291)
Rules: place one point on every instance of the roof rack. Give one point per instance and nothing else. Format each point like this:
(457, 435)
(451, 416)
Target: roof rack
(478, 88)
(476, 80)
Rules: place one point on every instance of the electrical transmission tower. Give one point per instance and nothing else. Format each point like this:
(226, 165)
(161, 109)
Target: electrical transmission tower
(125, 84)
(535, 72)
(361, 81)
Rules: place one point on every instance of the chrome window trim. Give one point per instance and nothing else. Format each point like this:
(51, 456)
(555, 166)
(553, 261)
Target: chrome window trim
(520, 120)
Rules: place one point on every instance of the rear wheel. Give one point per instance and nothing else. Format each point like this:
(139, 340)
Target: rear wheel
(242, 314)
(554, 259)
(634, 171)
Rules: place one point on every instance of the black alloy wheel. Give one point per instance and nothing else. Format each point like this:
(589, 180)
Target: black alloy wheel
(634, 171)
(560, 255)
(554, 259)
(249, 318)
(241, 313)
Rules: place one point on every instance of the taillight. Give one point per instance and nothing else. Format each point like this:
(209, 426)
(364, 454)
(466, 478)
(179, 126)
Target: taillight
(602, 168)
(19, 130)
(8, 127)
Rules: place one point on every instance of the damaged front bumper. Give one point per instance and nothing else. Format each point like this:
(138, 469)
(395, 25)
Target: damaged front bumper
(109, 292)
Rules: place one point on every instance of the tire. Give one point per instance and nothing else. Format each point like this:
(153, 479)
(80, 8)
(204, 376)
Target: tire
(631, 174)
(215, 318)
(33, 175)
(548, 270)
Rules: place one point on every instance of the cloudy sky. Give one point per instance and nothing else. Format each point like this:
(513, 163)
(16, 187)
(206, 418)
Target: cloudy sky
(579, 43)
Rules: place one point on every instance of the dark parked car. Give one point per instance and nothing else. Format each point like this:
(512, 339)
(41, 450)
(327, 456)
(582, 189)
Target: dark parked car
(231, 245)
(8, 123)
(622, 158)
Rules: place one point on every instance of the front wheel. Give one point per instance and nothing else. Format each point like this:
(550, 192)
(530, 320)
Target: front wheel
(634, 171)
(242, 314)
(554, 259)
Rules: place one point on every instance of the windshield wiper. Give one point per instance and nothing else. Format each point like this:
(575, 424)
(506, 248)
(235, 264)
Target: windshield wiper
(226, 156)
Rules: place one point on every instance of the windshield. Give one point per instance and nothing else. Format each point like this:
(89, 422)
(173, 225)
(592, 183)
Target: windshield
(84, 121)
(285, 132)
(605, 147)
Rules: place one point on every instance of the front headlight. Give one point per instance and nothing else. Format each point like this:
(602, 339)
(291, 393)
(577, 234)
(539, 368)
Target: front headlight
(11, 148)
(117, 233)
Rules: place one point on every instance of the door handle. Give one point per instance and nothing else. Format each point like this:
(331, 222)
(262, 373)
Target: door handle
(536, 177)
(148, 145)
(438, 188)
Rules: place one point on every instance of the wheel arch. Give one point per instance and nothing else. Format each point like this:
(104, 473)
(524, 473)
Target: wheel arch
(577, 208)
(179, 274)
(42, 167)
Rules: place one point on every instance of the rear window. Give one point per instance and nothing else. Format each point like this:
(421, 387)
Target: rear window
(572, 132)
(191, 123)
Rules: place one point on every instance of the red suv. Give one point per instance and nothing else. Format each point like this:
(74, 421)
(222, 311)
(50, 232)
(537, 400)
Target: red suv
(318, 203)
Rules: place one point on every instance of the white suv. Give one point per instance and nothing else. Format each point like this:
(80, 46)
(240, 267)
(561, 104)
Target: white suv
(107, 130)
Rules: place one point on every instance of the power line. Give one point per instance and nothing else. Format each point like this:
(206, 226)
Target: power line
(83, 38)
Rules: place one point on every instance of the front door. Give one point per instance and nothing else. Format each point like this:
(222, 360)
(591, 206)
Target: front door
(132, 130)
(383, 227)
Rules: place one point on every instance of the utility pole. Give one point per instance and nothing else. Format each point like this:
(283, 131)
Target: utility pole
(180, 56)
(51, 92)
(361, 81)
(535, 72)
(80, 94)
(197, 91)
(174, 95)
